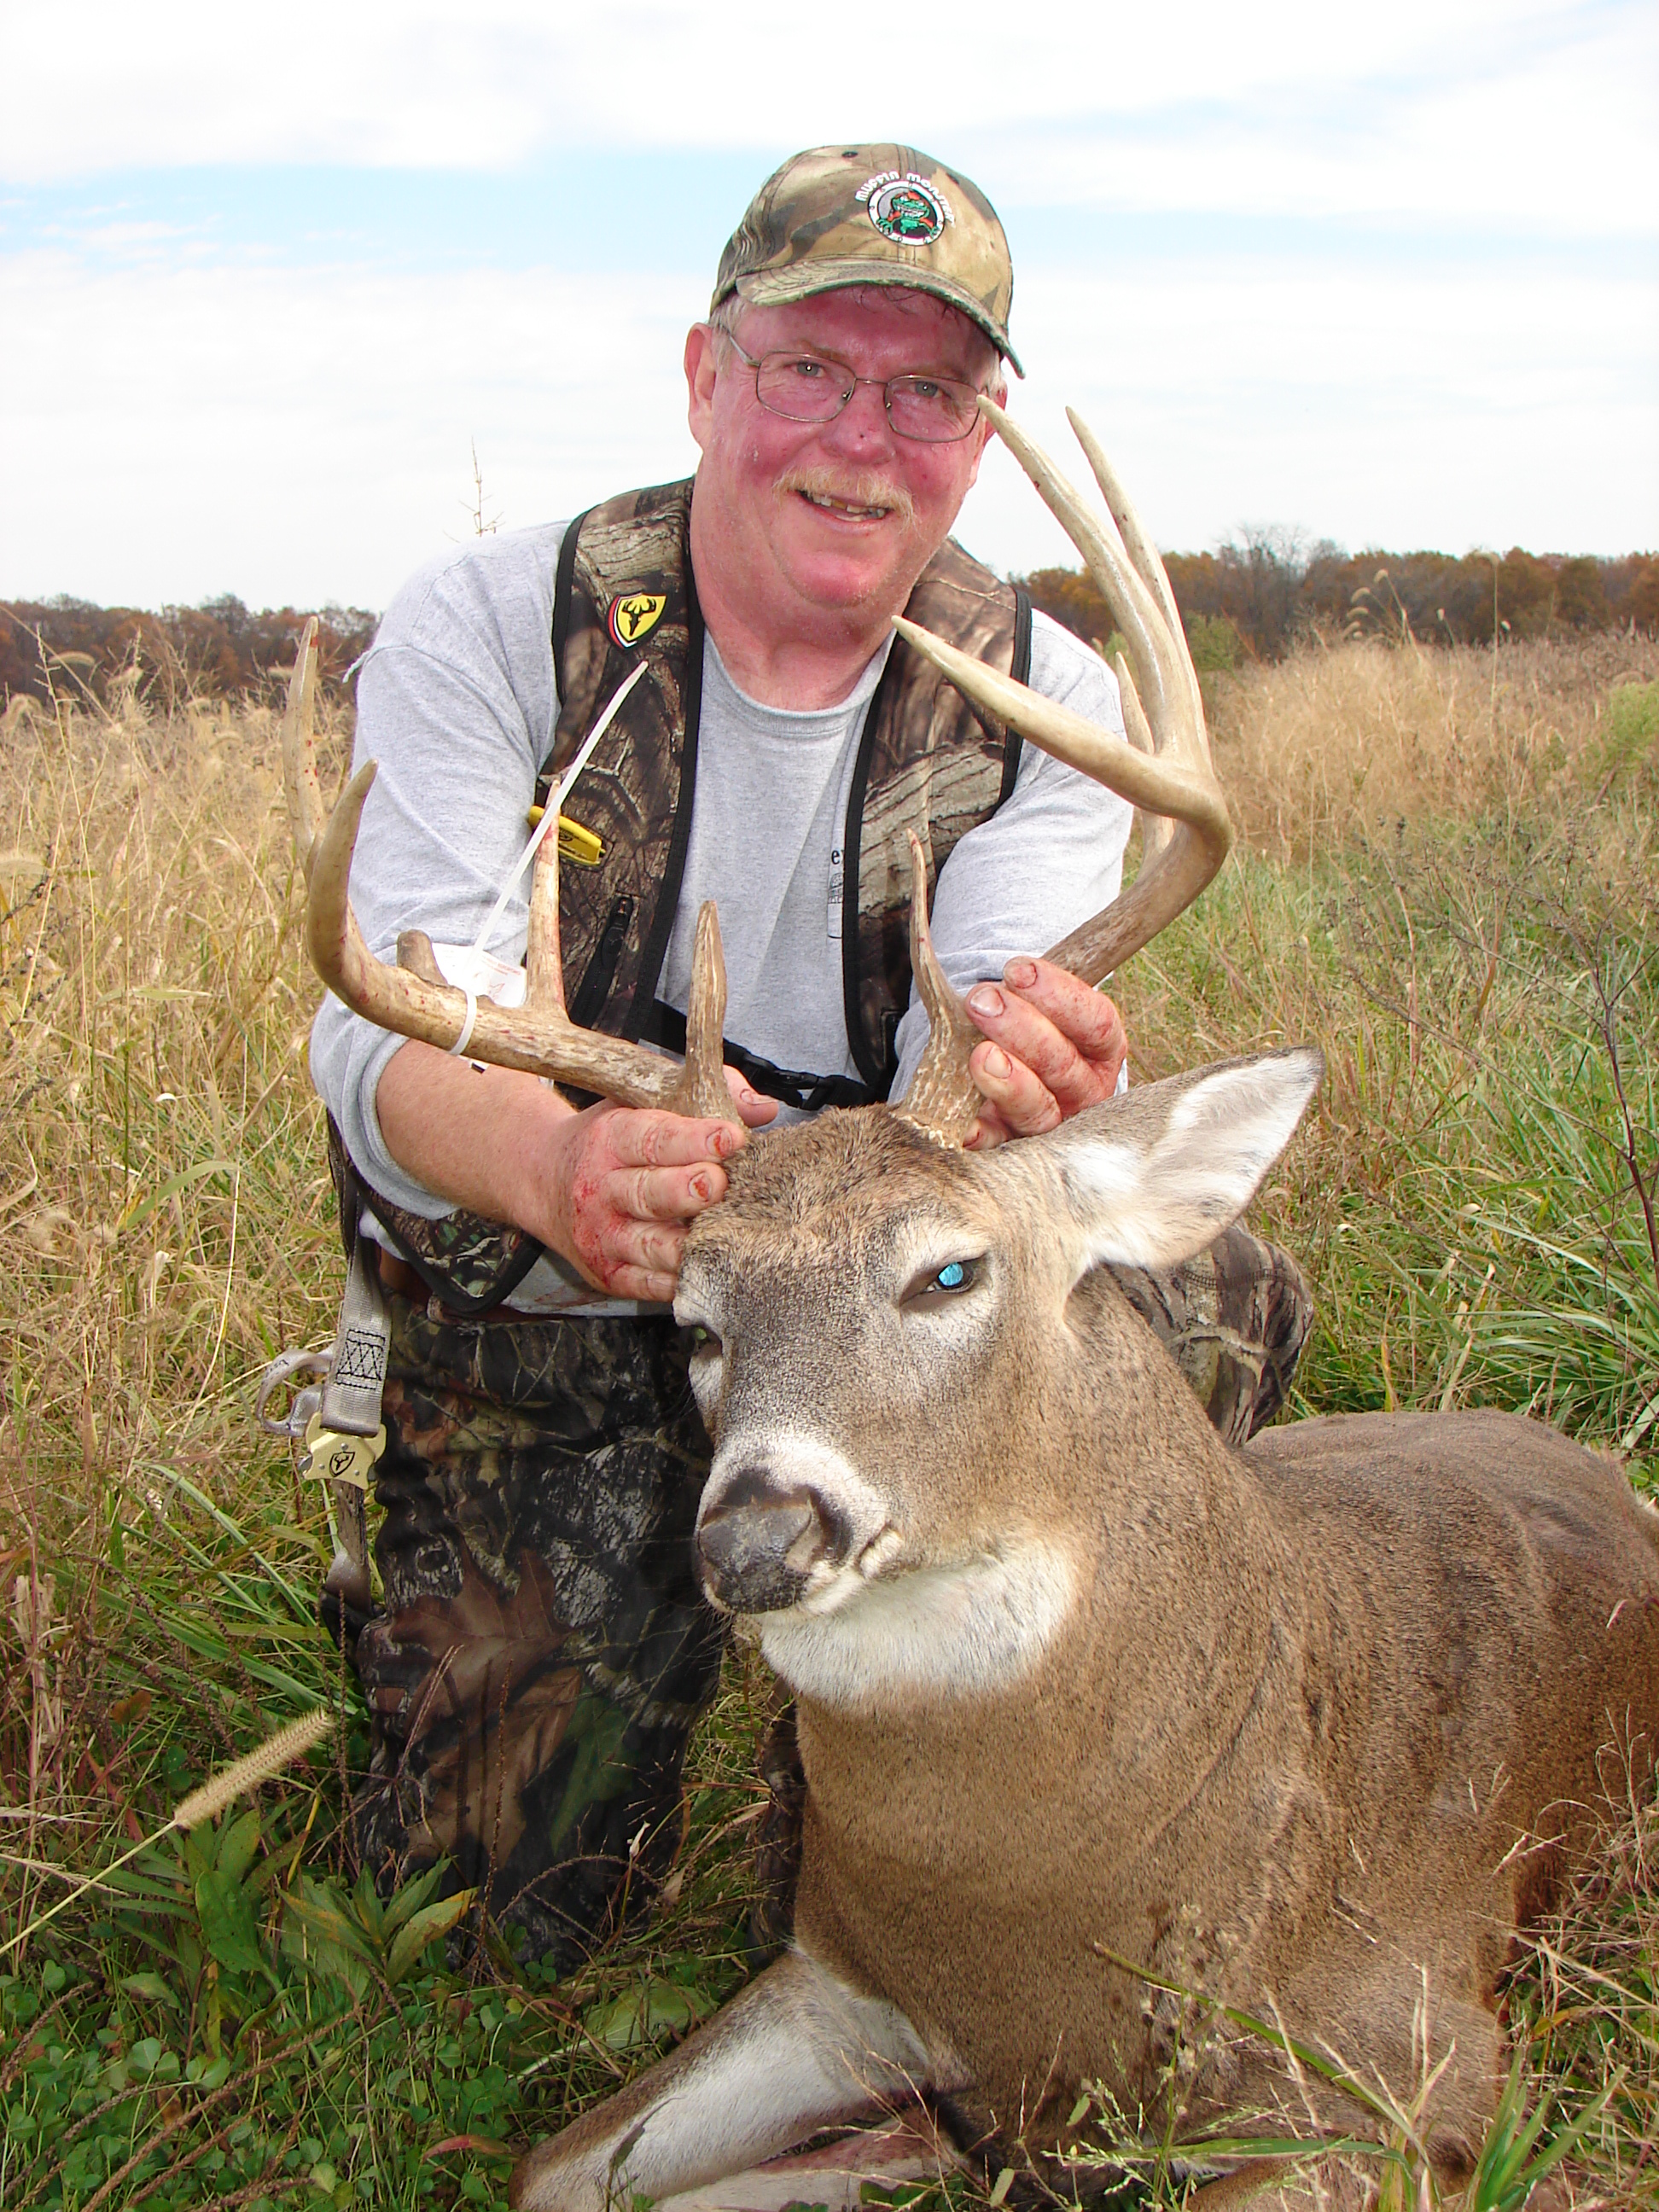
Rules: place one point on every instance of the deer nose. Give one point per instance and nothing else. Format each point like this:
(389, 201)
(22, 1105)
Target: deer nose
(759, 1542)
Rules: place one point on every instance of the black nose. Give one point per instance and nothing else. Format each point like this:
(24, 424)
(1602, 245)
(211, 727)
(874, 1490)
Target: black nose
(757, 1546)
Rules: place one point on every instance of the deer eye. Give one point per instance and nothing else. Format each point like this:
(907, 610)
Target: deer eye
(939, 1283)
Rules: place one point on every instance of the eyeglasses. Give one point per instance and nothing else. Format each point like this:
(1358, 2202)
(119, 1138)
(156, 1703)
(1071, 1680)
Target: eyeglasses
(803, 387)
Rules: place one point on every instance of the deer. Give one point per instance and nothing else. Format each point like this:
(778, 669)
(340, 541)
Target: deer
(1115, 1736)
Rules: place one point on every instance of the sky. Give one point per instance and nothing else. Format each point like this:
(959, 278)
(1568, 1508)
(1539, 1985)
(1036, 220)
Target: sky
(270, 277)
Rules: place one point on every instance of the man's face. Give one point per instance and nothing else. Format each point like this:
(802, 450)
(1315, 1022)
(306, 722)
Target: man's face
(817, 518)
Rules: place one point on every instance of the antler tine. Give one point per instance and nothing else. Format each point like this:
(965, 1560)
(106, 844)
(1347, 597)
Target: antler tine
(1174, 779)
(1149, 780)
(703, 1093)
(306, 811)
(1156, 830)
(943, 1098)
(540, 1040)
(1123, 511)
(1148, 616)
(544, 962)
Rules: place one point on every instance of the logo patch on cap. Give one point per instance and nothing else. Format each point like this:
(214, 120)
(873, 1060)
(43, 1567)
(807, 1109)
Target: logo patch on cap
(634, 616)
(907, 209)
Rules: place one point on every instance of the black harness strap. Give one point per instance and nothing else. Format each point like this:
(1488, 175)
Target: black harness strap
(791, 1086)
(1021, 673)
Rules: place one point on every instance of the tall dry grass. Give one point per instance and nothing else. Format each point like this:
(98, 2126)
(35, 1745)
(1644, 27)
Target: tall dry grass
(229, 2018)
(1446, 876)
(1342, 745)
(161, 1193)
(1447, 879)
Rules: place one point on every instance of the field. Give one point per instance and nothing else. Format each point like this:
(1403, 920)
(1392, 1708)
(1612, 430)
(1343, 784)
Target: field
(1446, 876)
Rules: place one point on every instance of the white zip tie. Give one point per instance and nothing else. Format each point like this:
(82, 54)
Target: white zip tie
(465, 1036)
(555, 800)
(551, 814)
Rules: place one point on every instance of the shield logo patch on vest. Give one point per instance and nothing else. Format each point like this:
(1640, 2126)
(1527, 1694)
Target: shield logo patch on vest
(634, 615)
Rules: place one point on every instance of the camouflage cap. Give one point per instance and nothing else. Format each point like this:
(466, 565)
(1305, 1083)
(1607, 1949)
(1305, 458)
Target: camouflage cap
(839, 215)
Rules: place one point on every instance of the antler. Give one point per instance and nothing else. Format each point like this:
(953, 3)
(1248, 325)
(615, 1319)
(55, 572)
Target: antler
(413, 999)
(1165, 769)
(943, 1098)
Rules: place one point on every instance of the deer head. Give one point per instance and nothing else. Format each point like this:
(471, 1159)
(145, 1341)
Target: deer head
(907, 1383)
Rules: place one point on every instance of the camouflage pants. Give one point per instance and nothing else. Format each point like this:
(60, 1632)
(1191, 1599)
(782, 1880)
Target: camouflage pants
(544, 1650)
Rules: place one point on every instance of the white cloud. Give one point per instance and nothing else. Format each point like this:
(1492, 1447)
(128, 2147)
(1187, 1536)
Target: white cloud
(301, 434)
(1379, 407)
(1541, 138)
(1513, 110)
(180, 414)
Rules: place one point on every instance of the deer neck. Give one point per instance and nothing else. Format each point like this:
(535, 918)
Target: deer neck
(1164, 1650)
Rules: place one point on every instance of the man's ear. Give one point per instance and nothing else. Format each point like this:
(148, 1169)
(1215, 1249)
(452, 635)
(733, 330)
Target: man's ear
(702, 348)
(1154, 1176)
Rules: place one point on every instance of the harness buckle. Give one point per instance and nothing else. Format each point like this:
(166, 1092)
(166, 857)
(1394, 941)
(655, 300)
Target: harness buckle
(336, 1420)
(331, 1456)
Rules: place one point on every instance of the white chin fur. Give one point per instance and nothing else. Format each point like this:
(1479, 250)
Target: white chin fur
(940, 1632)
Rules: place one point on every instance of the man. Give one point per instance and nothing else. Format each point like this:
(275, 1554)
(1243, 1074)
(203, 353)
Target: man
(542, 1649)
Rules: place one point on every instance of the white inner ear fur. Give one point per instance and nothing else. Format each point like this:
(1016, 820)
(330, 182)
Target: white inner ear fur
(1155, 1202)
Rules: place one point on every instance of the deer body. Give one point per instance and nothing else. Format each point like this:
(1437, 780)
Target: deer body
(1314, 1801)
(1295, 1728)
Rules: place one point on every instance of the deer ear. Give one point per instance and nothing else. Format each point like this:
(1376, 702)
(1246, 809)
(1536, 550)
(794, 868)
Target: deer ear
(1153, 1177)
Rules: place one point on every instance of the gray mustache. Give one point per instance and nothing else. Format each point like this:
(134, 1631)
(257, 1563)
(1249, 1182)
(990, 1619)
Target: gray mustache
(864, 490)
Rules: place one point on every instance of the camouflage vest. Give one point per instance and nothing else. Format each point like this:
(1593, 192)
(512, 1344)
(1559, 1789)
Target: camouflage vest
(927, 761)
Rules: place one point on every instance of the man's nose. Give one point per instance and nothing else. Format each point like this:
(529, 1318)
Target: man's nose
(863, 423)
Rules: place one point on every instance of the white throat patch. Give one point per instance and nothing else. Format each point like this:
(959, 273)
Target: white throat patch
(940, 1632)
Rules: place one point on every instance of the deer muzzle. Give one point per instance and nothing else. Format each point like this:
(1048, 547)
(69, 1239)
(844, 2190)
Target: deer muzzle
(758, 1544)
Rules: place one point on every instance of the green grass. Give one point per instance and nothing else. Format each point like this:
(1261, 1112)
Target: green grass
(1462, 1195)
(1631, 725)
(1446, 880)
(234, 2017)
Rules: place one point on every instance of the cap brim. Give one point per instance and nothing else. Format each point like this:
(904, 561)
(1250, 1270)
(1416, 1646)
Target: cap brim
(777, 288)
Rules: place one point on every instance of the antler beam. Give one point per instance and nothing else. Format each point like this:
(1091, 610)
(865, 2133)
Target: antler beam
(1165, 769)
(414, 1000)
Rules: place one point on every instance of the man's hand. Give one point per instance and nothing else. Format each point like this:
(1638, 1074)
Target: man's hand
(624, 1183)
(1054, 1046)
(612, 1188)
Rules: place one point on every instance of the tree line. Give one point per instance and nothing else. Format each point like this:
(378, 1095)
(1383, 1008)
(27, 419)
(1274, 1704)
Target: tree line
(1264, 590)
(1254, 598)
(72, 649)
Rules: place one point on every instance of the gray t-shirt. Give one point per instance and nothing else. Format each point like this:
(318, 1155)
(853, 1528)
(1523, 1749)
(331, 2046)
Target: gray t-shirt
(457, 702)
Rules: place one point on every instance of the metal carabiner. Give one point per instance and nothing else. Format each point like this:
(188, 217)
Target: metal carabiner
(282, 1373)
